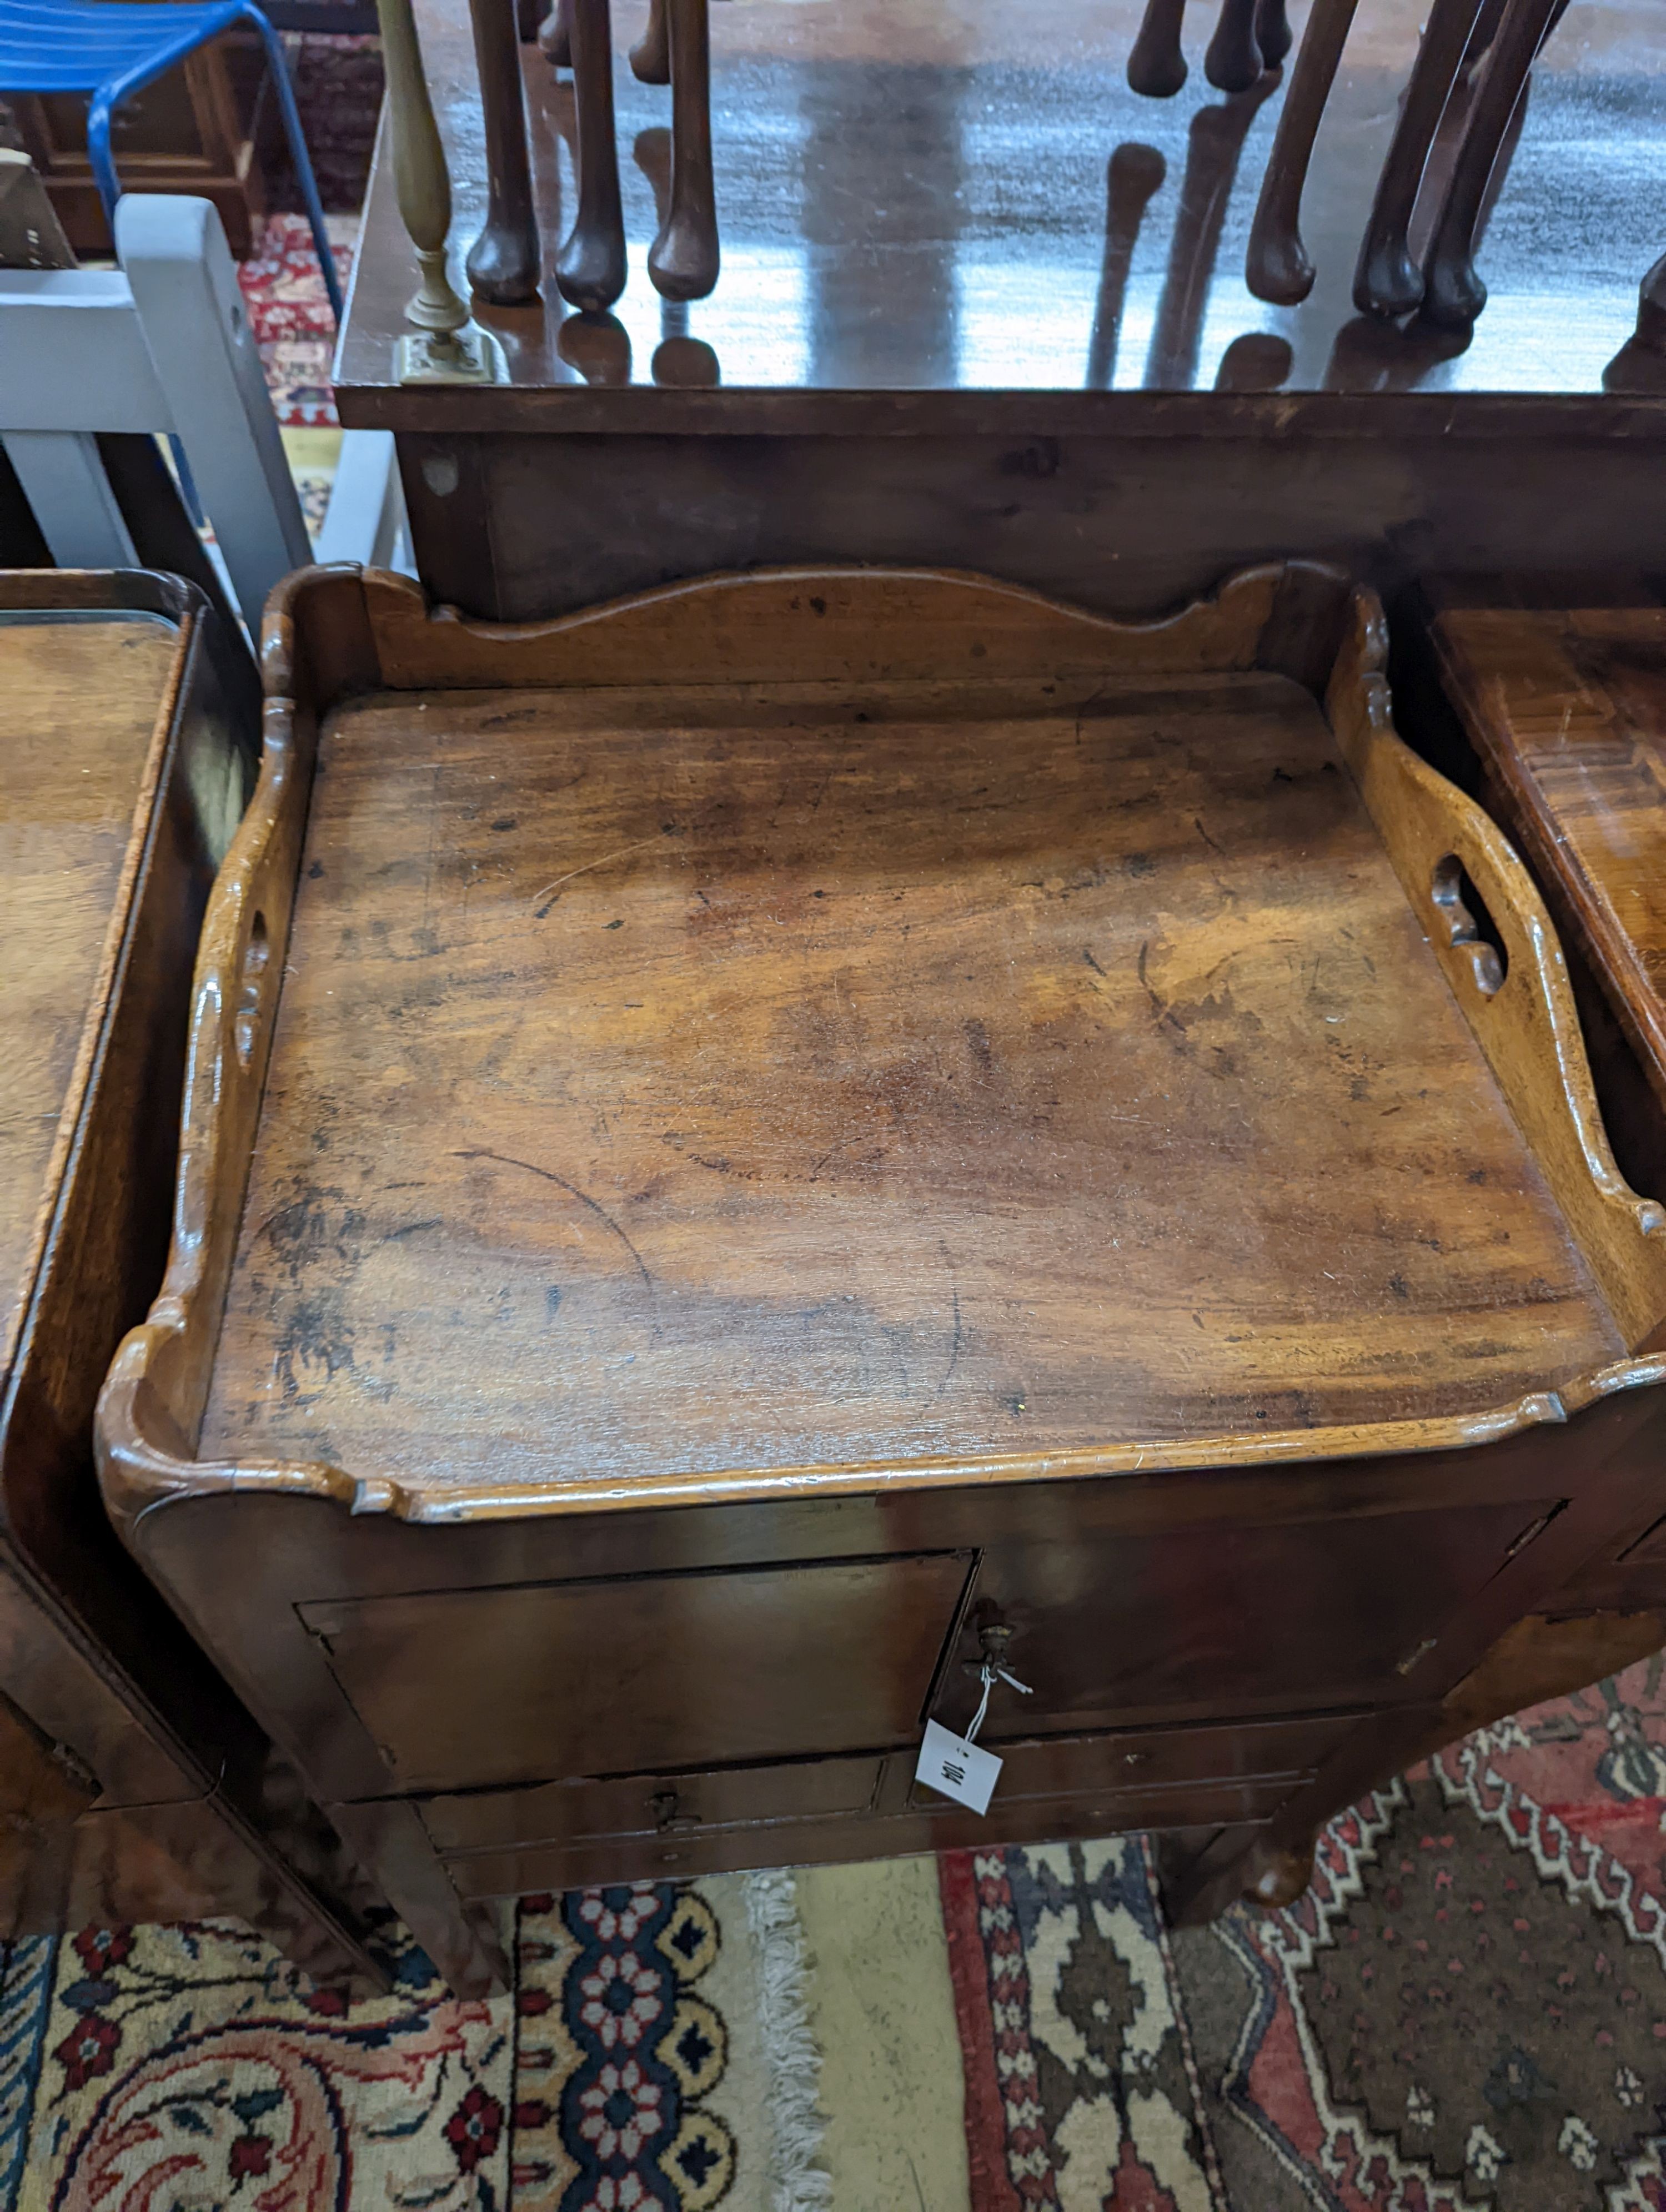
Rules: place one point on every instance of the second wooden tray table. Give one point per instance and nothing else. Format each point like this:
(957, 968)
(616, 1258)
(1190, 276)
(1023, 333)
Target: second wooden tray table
(750, 1147)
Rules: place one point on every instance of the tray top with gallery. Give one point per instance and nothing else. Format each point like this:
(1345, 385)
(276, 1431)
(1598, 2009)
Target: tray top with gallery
(755, 1145)
(831, 1029)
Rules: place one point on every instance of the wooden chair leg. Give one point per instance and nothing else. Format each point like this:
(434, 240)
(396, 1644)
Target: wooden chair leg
(1453, 294)
(1133, 175)
(1233, 62)
(1488, 17)
(1273, 33)
(1276, 266)
(1387, 281)
(1157, 68)
(682, 261)
(591, 270)
(555, 37)
(503, 261)
(650, 57)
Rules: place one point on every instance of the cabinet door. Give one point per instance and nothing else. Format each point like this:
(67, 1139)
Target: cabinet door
(652, 1673)
(1200, 1621)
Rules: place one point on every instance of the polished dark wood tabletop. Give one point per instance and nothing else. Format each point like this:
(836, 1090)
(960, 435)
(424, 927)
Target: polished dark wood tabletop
(936, 200)
(80, 694)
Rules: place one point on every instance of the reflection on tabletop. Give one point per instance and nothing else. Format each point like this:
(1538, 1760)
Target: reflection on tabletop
(929, 199)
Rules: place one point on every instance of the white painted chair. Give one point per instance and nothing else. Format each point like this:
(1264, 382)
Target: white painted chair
(162, 344)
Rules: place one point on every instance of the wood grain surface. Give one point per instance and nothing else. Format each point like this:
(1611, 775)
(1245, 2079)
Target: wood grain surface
(1568, 709)
(899, 320)
(780, 1087)
(81, 702)
(767, 1076)
(129, 723)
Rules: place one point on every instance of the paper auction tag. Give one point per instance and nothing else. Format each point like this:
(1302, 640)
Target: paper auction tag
(957, 1769)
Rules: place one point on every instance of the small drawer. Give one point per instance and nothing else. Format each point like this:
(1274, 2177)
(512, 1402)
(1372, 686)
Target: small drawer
(647, 1804)
(1132, 1761)
(1110, 1811)
(681, 1857)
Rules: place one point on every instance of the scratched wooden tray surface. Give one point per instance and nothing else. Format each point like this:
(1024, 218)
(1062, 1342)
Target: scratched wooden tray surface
(1567, 708)
(846, 1028)
(84, 698)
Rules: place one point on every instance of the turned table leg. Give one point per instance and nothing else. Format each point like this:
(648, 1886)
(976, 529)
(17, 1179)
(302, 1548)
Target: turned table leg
(503, 261)
(1276, 266)
(1454, 293)
(1157, 68)
(1133, 176)
(682, 261)
(1273, 1878)
(1386, 279)
(591, 269)
(1196, 1890)
(650, 57)
(1233, 62)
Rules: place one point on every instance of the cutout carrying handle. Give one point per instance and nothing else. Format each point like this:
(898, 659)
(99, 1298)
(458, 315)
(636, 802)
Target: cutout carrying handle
(1489, 930)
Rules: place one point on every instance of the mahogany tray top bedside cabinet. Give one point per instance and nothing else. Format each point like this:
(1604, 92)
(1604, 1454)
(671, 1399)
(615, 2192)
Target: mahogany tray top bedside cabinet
(1561, 702)
(132, 1785)
(1562, 709)
(748, 1148)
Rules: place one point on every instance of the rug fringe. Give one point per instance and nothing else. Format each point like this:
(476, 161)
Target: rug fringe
(798, 2182)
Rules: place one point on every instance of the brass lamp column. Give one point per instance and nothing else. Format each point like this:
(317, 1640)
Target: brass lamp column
(444, 346)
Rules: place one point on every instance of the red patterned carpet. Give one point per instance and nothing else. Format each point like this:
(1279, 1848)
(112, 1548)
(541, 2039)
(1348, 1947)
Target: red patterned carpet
(289, 313)
(1468, 2008)
(338, 89)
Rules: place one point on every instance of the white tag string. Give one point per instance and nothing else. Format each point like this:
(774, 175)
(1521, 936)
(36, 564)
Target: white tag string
(988, 1673)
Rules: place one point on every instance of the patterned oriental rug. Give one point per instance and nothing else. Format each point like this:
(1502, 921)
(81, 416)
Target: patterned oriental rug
(289, 314)
(1467, 2007)
(1469, 2010)
(338, 89)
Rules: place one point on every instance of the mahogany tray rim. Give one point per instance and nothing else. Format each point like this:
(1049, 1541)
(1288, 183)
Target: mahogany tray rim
(55, 593)
(1563, 858)
(332, 632)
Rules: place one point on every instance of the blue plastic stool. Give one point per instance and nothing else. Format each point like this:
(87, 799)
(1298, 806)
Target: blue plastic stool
(107, 50)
